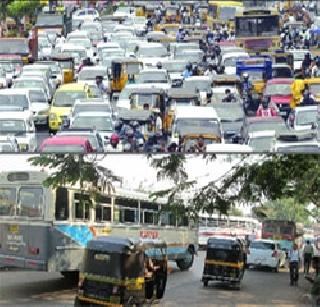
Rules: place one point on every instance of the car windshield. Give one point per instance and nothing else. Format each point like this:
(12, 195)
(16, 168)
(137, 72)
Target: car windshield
(255, 75)
(92, 74)
(152, 52)
(262, 245)
(91, 137)
(16, 100)
(80, 42)
(306, 118)
(77, 53)
(6, 147)
(201, 85)
(100, 123)
(314, 89)
(195, 125)
(278, 89)
(281, 72)
(12, 126)
(232, 61)
(91, 108)
(312, 148)
(261, 143)
(174, 66)
(299, 56)
(67, 99)
(142, 99)
(155, 77)
(28, 83)
(266, 125)
(230, 112)
(227, 255)
(65, 148)
(38, 96)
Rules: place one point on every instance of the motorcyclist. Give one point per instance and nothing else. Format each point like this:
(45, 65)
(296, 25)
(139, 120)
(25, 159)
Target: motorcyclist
(200, 145)
(187, 72)
(86, 62)
(229, 96)
(265, 110)
(100, 85)
(246, 84)
(180, 35)
(159, 65)
(114, 143)
(316, 69)
(210, 71)
(306, 65)
(307, 99)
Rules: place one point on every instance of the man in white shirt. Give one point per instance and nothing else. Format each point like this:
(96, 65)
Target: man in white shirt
(294, 261)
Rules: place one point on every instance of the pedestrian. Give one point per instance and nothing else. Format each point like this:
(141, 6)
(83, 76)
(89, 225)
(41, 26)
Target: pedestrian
(307, 256)
(294, 261)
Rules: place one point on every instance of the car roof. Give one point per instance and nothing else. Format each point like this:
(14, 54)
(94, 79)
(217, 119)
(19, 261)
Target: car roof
(63, 140)
(72, 87)
(14, 115)
(281, 81)
(306, 108)
(264, 241)
(13, 91)
(93, 114)
(195, 112)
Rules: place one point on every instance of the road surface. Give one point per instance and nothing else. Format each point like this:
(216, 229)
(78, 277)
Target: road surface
(183, 289)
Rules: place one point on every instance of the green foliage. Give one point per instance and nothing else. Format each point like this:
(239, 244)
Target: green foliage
(280, 176)
(235, 212)
(20, 8)
(288, 209)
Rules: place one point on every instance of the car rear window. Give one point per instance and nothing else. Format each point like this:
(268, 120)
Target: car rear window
(262, 245)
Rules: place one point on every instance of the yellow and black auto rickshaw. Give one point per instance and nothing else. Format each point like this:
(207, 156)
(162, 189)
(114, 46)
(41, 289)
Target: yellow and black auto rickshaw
(118, 271)
(67, 66)
(122, 71)
(225, 261)
(173, 14)
(189, 142)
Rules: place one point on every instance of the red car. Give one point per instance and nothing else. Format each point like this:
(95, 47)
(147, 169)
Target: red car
(281, 94)
(66, 144)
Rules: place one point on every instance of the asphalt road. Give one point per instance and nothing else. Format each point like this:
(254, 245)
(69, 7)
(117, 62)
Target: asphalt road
(183, 289)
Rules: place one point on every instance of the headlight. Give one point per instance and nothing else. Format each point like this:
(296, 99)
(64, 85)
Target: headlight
(53, 116)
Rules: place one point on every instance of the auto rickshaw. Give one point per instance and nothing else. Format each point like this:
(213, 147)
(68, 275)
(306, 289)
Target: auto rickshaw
(139, 8)
(67, 66)
(120, 271)
(173, 14)
(122, 71)
(189, 141)
(226, 80)
(225, 261)
(144, 118)
(177, 97)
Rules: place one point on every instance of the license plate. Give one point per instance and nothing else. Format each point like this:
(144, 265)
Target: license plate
(13, 228)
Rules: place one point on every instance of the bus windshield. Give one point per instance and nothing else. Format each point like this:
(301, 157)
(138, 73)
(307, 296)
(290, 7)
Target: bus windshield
(254, 26)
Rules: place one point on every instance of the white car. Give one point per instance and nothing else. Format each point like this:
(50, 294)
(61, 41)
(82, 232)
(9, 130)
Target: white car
(39, 106)
(229, 61)
(302, 118)
(20, 126)
(86, 14)
(266, 253)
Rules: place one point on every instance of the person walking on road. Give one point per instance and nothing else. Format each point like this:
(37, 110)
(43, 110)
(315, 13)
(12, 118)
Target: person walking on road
(307, 256)
(294, 260)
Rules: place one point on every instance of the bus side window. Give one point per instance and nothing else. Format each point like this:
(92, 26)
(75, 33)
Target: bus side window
(62, 204)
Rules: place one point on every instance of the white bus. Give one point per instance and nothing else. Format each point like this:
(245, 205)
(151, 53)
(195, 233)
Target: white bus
(215, 225)
(47, 229)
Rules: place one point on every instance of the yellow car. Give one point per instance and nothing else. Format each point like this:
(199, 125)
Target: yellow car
(63, 101)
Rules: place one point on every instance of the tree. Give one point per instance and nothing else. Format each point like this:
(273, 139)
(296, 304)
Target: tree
(3, 9)
(72, 169)
(287, 209)
(235, 212)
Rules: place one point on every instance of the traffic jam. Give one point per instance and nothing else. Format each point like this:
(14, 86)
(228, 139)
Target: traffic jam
(169, 76)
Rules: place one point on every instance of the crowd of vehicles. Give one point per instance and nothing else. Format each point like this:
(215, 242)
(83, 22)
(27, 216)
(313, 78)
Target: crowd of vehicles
(197, 57)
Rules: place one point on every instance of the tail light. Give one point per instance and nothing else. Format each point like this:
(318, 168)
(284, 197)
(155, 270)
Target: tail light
(274, 254)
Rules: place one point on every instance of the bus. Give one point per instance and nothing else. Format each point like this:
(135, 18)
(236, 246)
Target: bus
(258, 30)
(46, 229)
(285, 232)
(223, 12)
(241, 227)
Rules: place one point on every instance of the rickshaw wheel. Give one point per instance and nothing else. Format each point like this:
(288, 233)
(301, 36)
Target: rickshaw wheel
(161, 286)
(184, 264)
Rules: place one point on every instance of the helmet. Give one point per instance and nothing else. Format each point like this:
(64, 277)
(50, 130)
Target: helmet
(114, 138)
(245, 75)
(135, 124)
(265, 103)
(159, 65)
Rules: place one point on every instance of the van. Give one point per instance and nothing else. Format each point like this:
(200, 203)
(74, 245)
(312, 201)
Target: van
(63, 102)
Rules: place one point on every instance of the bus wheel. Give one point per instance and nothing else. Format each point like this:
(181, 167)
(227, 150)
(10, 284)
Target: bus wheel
(186, 263)
(161, 287)
(71, 276)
